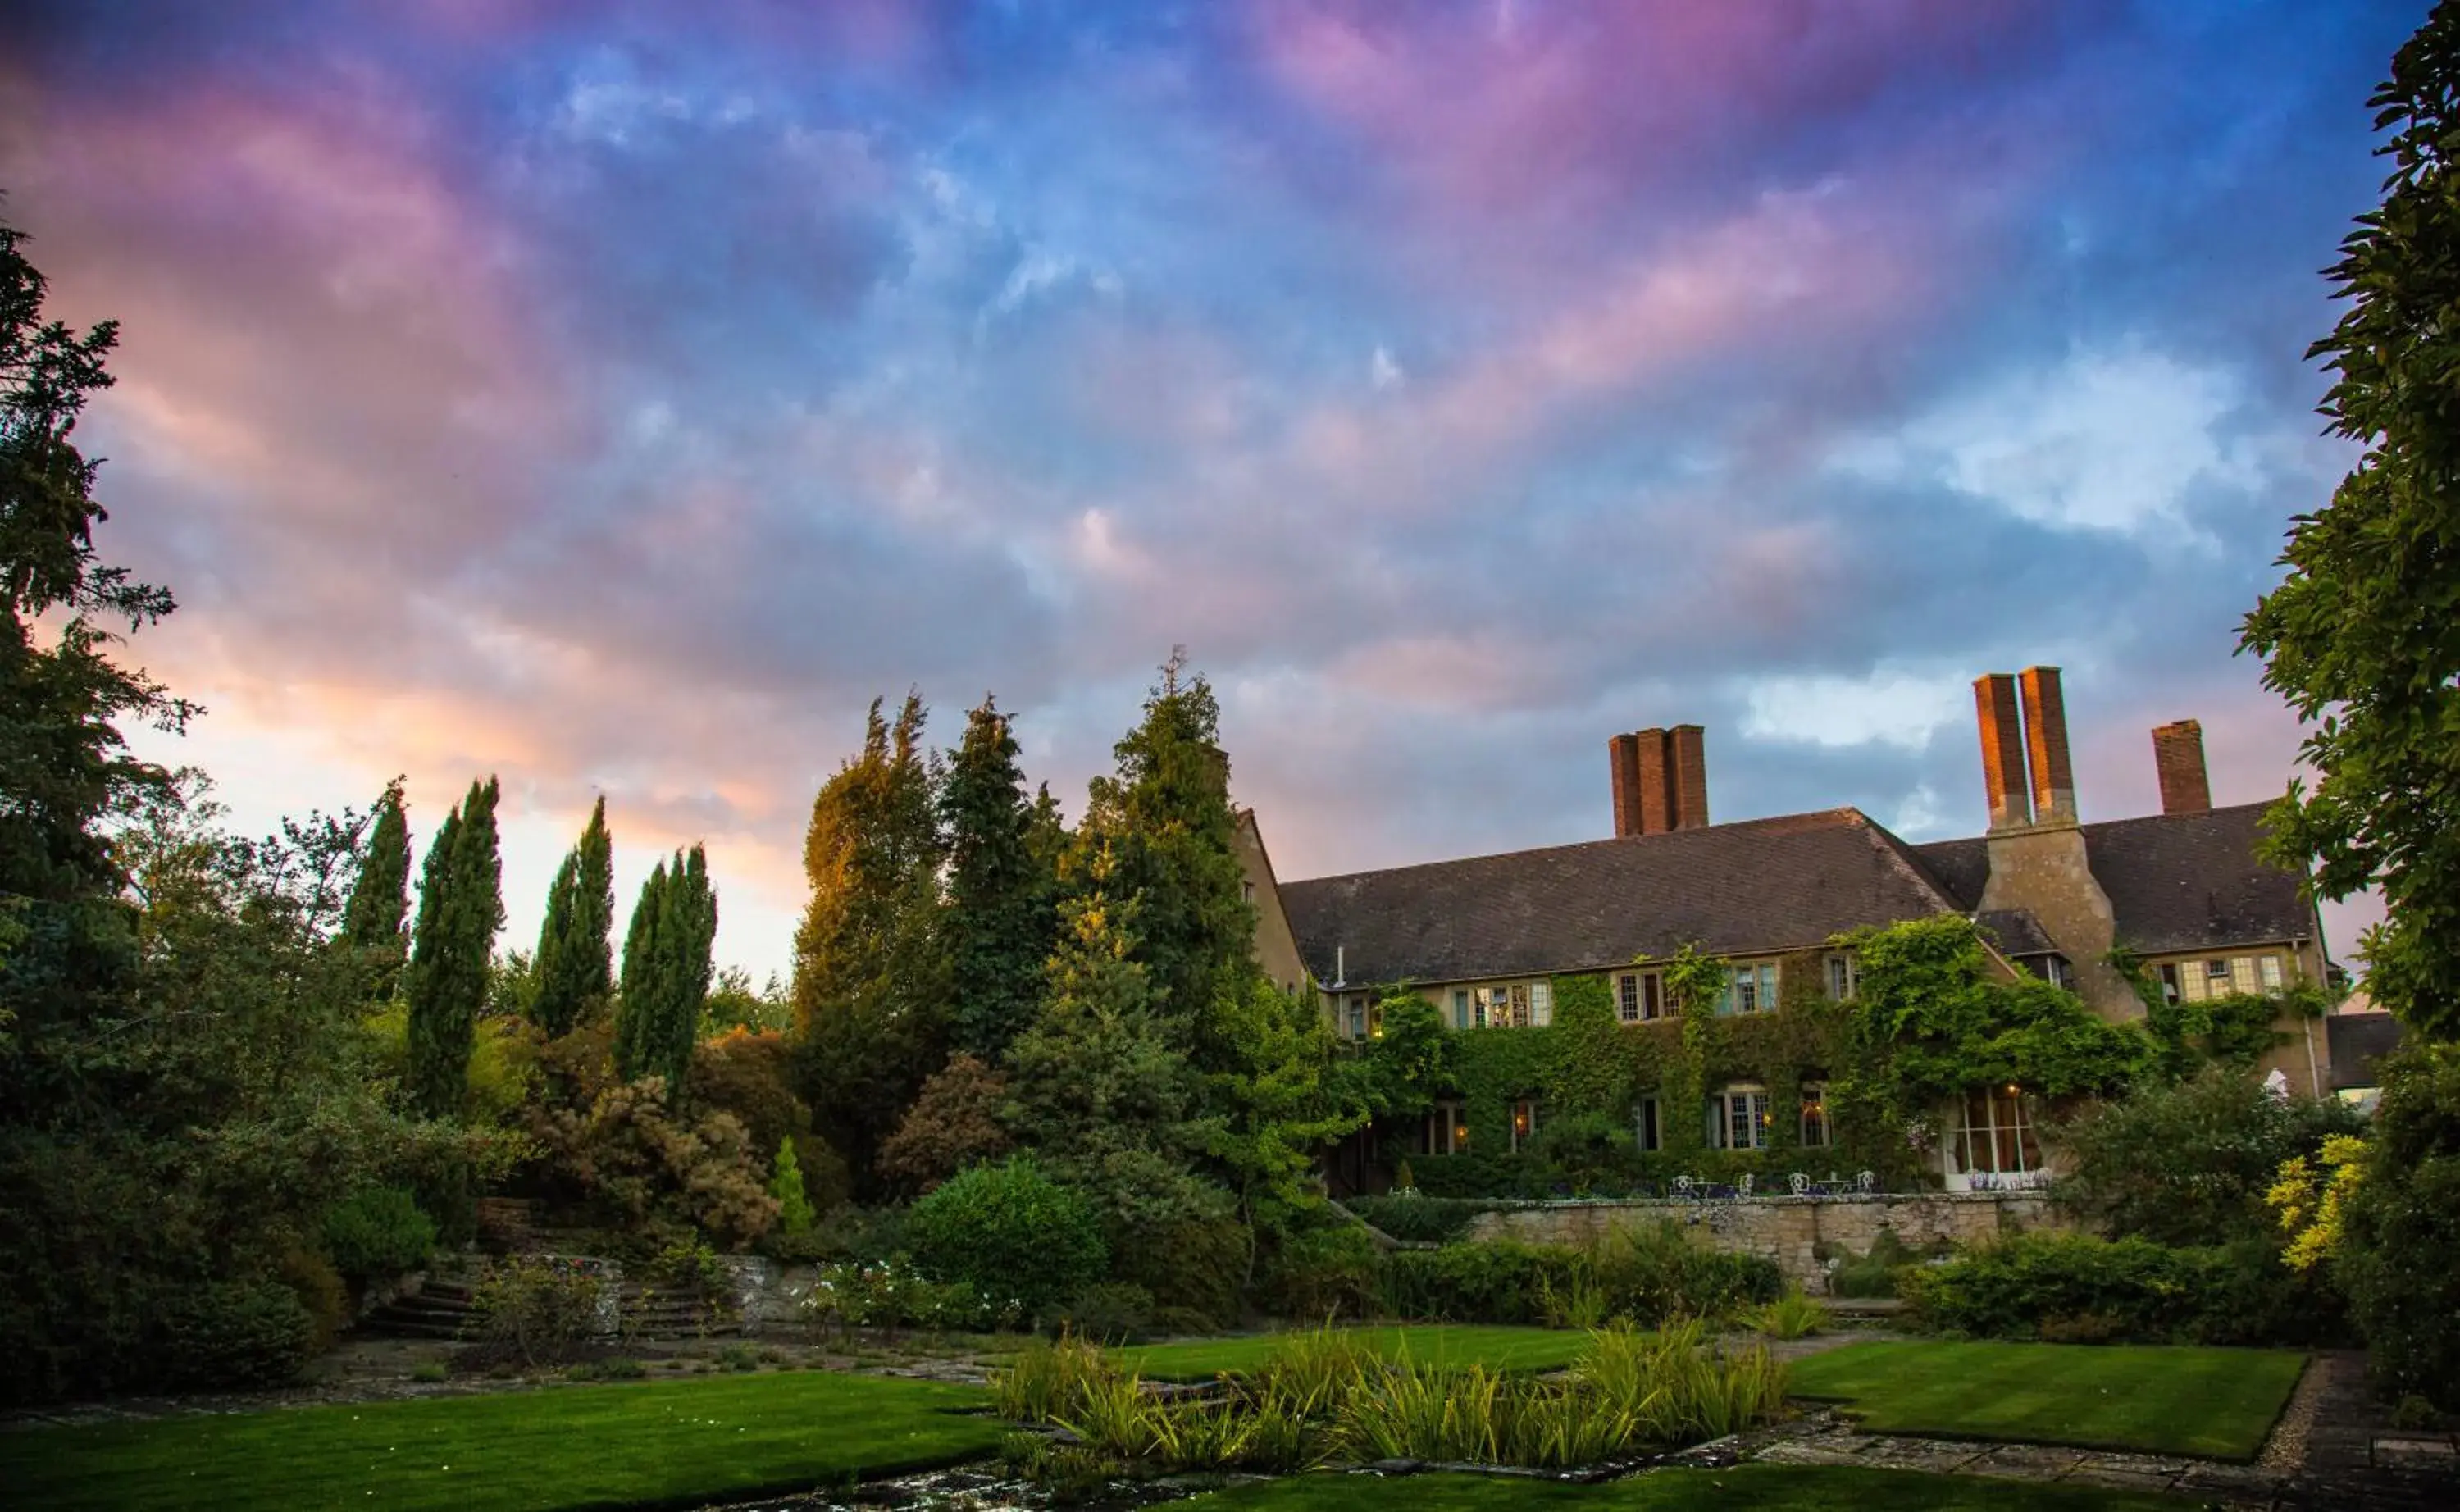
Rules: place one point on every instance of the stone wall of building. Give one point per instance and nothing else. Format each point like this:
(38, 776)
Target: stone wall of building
(1799, 1233)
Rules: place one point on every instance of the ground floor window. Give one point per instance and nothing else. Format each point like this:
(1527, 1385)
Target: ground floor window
(1738, 1118)
(1995, 1132)
(1814, 1115)
(1524, 1124)
(1446, 1132)
(1645, 1127)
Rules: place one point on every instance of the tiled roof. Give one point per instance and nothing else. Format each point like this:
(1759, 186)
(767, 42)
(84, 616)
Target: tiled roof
(2190, 882)
(2177, 882)
(1763, 884)
(2016, 932)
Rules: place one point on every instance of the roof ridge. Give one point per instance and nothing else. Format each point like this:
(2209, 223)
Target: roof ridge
(1843, 815)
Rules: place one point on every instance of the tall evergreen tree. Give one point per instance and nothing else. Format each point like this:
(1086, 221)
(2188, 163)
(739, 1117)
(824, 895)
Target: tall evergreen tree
(1165, 821)
(575, 965)
(461, 907)
(871, 970)
(1003, 895)
(667, 969)
(374, 920)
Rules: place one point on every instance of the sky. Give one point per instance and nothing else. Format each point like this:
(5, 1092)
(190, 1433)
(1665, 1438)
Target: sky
(618, 398)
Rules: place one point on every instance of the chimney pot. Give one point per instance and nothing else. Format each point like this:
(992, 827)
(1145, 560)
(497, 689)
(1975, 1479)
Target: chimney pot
(1622, 761)
(2045, 744)
(2178, 757)
(2003, 751)
(1686, 769)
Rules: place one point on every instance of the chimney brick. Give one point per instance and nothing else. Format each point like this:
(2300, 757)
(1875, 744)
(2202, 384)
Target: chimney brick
(1687, 776)
(1656, 786)
(1623, 759)
(2178, 757)
(2003, 751)
(2045, 744)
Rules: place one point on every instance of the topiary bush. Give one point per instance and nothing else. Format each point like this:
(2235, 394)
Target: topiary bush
(237, 1336)
(1010, 1231)
(378, 1231)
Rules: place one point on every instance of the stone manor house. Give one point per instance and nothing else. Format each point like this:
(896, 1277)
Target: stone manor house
(1484, 938)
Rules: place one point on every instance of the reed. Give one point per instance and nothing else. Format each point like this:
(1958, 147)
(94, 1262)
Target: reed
(1047, 1380)
(1791, 1316)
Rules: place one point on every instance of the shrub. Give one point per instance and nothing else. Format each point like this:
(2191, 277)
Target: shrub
(1322, 1270)
(852, 1294)
(378, 1231)
(2077, 1287)
(2401, 1229)
(1111, 1312)
(312, 1279)
(695, 1269)
(645, 1166)
(540, 1308)
(1046, 1379)
(1416, 1218)
(1501, 1282)
(750, 1073)
(1011, 1232)
(1653, 1272)
(1875, 1273)
(1193, 1266)
(2190, 1163)
(237, 1336)
(954, 1122)
(795, 1215)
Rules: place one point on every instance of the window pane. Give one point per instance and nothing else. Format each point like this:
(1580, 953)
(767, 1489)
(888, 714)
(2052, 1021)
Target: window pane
(1542, 1004)
(1521, 1004)
(1651, 1006)
(1460, 1008)
(1627, 996)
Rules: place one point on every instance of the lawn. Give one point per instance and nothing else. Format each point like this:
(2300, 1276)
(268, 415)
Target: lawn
(1494, 1345)
(1785, 1488)
(670, 1443)
(2158, 1399)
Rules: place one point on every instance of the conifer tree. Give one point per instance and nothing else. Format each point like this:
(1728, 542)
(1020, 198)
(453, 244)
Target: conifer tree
(644, 992)
(667, 969)
(373, 920)
(1165, 821)
(461, 907)
(575, 969)
(871, 970)
(1002, 917)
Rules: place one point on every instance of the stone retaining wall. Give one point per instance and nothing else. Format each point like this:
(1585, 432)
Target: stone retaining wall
(1794, 1231)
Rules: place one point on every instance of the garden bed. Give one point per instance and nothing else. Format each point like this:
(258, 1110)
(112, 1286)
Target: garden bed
(1494, 1346)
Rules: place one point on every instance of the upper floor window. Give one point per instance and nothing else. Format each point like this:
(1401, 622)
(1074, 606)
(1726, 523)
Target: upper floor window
(1640, 997)
(2267, 972)
(1362, 1016)
(1844, 976)
(1738, 1118)
(2220, 976)
(1514, 1005)
(1461, 1008)
(1751, 990)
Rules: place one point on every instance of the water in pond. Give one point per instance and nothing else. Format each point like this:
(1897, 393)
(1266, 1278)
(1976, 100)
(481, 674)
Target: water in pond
(982, 1488)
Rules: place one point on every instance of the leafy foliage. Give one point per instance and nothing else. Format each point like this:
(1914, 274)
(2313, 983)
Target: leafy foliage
(795, 1215)
(2402, 1227)
(2079, 1288)
(2312, 1198)
(2363, 636)
(657, 1173)
(953, 1124)
(1010, 1231)
(378, 1231)
(541, 1307)
(2190, 1162)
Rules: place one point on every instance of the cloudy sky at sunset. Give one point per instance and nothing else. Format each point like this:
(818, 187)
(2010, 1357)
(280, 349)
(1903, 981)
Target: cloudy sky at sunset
(619, 396)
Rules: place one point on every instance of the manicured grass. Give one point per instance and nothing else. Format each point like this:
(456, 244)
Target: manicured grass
(1787, 1488)
(1493, 1345)
(2158, 1399)
(672, 1444)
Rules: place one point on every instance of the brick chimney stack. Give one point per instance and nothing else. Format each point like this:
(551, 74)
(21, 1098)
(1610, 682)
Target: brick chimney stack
(2045, 746)
(1623, 759)
(2178, 757)
(1660, 780)
(2003, 751)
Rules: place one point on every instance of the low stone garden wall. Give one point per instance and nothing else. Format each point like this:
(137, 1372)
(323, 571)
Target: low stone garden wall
(1793, 1232)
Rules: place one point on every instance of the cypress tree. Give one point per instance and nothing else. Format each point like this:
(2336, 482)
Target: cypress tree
(637, 1005)
(372, 921)
(461, 907)
(575, 968)
(1002, 918)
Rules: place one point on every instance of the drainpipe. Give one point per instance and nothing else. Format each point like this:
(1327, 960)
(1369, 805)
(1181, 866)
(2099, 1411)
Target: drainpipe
(2314, 1078)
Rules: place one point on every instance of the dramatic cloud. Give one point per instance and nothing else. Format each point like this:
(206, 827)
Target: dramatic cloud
(620, 397)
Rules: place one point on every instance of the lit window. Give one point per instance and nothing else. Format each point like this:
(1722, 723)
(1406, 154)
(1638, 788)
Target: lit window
(1738, 1118)
(2169, 983)
(1751, 990)
(1355, 1022)
(1524, 1124)
(1445, 1132)
(1513, 1006)
(1644, 1125)
(1995, 1135)
(1844, 976)
(1542, 1004)
(1814, 1115)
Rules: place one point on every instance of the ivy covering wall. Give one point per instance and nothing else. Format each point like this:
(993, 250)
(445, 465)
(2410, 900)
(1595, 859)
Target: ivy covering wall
(1929, 1019)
